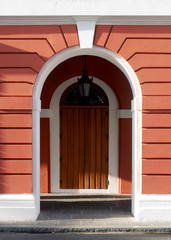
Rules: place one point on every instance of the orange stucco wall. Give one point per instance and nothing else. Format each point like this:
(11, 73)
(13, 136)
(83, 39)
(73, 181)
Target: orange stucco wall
(147, 49)
(23, 52)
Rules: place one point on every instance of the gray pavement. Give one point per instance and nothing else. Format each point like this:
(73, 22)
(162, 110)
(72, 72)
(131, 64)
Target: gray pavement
(83, 236)
(64, 213)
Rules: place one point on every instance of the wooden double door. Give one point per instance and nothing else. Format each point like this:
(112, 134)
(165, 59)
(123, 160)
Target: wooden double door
(84, 147)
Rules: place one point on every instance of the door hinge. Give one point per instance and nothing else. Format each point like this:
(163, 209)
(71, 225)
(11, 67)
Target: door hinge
(107, 182)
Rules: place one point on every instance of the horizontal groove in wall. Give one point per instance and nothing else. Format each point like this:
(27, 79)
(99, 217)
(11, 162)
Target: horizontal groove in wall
(154, 82)
(18, 111)
(167, 111)
(157, 175)
(15, 158)
(12, 144)
(8, 159)
(156, 159)
(15, 128)
(15, 174)
(157, 128)
(161, 111)
(155, 143)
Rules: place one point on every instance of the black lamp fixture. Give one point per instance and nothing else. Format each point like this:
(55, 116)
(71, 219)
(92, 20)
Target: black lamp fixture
(84, 82)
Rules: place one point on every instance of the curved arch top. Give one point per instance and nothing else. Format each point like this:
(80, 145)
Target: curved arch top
(112, 57)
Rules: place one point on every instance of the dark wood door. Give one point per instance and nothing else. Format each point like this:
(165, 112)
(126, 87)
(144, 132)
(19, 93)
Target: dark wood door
(84, 147)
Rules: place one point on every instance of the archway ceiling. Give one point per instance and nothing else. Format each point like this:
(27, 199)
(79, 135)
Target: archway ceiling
(97, 67)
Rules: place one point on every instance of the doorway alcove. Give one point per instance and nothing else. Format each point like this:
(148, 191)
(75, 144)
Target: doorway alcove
(116, 80)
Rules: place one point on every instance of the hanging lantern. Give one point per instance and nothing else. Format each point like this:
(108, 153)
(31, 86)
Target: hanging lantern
(84, 83)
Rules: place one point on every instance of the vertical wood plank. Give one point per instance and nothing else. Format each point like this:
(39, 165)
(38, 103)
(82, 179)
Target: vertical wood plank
(76, 149)
(63, 148)
(87, 149)
(81, 152)
(98, 148)
(70, 149)
(92, 149)
(104, 173)
(61, 159)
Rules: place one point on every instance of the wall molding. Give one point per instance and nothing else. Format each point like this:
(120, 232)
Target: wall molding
(103, 10)
(45, 113)
(121, 113)
(124, 113)
(17, 207)
(154, 207)
(101, 20)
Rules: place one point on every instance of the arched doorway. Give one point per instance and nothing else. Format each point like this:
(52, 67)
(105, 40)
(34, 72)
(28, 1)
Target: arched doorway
(136, 116)
(111, 176)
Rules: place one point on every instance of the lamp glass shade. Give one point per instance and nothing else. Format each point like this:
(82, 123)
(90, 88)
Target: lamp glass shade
(84, 89)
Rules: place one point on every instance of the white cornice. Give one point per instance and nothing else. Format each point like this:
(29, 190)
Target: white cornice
(101, 20)
(71, 11)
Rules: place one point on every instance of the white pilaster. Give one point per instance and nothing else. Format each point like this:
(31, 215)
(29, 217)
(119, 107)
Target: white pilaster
(136, 108)
(36, 151)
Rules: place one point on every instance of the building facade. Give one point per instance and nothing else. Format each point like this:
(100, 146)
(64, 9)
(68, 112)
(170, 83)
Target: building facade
(48, 144)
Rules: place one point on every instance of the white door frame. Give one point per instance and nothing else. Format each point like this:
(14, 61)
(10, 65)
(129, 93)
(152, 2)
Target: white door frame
(55, 140)
(136, 108)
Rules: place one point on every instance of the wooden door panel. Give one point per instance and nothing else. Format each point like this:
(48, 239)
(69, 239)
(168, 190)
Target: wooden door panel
(87, 155)
(104, 139)
(76, 149)
(98, 148)
(83, 147)
(92, 144)
(70, 143)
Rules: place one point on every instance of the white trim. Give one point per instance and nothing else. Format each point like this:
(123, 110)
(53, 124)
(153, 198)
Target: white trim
(18, 207)
(86, 31)
(121, 113)
(55, 140)
(124, 113)
(154, 207)
(45, 113)
(123, 65)
(100, 20)
(35, 156)
(112, 57)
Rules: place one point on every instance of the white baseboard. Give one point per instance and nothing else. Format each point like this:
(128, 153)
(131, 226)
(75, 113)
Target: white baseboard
(18, 207)
(155, 208)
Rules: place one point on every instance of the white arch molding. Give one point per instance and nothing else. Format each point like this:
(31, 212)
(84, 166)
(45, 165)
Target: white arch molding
(136, 115)
(55, 140)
